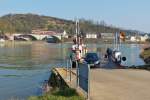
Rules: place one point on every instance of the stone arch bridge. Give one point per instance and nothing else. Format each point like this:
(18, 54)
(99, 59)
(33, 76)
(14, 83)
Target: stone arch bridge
(36, 36)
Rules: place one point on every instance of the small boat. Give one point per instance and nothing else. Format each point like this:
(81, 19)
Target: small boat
(114, 55)
(52, 39)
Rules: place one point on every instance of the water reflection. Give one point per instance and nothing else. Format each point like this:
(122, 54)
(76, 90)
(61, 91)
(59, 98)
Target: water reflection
(24, 66)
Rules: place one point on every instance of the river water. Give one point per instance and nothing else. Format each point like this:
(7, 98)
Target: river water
(25, 66)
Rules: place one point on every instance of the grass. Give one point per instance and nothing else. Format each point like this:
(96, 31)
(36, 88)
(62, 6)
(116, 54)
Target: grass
(59, 94)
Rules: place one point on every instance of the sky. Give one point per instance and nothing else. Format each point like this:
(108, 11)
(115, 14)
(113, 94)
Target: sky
(127, 14)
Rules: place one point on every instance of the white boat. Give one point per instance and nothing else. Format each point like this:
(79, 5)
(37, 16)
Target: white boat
(115, 54)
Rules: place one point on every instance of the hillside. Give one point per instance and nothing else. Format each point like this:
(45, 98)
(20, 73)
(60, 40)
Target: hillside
(24, 23)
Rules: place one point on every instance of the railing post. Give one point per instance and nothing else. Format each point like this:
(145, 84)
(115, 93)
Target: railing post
(70, 68)
(88, 94)
(77, 74)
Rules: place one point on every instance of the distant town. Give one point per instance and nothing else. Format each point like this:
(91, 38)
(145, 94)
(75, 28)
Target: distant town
(28, 27)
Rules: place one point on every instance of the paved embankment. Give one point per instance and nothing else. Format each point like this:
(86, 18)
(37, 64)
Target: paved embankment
(120, 84)
(116, 84)
(65, 75)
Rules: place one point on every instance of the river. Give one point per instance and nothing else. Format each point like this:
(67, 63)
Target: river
(25, 65)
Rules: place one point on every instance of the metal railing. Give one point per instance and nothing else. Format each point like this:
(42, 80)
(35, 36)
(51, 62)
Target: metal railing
(82, 72)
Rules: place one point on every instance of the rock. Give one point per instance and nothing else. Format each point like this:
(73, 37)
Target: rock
(147, 60)
(148, 48)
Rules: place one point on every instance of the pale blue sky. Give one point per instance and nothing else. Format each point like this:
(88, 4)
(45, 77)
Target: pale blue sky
(129, 14)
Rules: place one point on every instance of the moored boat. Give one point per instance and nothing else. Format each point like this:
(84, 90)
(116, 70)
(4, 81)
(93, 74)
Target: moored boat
(50, 39)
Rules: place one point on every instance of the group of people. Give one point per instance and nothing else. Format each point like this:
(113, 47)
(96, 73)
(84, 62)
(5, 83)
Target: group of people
(78, 51)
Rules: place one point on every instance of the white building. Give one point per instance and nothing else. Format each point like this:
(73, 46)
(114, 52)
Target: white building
(64, 34)
(91, 36)
(133, 39)
(107, 35)
(144, 38)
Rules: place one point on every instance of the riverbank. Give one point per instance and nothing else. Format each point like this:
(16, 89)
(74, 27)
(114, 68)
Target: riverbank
(70, 40)
(116, 84)
(59, 89)
(146, 55)
(102, 41)
(59, 94)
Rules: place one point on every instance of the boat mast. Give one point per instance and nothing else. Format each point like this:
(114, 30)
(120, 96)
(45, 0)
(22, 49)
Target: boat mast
(77, 32)
(116, 41)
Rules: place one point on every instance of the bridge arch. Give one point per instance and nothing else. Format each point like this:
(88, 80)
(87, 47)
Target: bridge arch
(37, 37)
(30, 37)
(56, 38)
